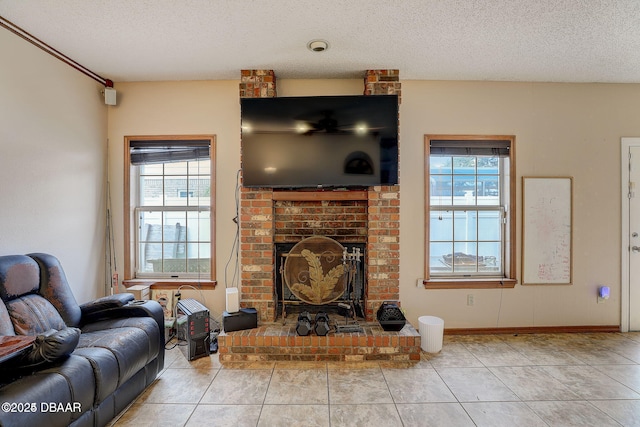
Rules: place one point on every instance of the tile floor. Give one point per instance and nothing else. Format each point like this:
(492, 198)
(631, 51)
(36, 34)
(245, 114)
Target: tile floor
(481, 380)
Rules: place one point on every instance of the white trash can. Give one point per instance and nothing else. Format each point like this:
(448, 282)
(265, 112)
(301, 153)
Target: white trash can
(431, 333)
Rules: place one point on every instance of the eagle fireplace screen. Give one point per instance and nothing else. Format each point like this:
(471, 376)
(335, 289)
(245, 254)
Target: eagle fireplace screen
(314, 270)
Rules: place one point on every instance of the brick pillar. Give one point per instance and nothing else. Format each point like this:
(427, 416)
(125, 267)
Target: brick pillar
(382, 82)
(383, 245)
(256, 251)
(257, 84)
(256, 220)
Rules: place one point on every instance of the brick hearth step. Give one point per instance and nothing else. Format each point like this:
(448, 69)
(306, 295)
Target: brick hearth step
(275, 342)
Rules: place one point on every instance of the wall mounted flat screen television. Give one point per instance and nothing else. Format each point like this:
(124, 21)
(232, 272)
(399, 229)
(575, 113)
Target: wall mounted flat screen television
(320, 141)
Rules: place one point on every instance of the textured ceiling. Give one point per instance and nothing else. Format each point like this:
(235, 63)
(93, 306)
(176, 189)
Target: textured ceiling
(502, 40)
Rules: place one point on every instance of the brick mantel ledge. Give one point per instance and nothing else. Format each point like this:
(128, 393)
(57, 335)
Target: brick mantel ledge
(337, 195)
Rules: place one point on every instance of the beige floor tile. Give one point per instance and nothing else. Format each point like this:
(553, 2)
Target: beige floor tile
(626, 412)
(635, 336)
(588, 341)
(248, 365)
(598, 356)
(488, 338)
(225, 415)
(627, 348)
(156, 414)
(503, 414)
(206, 362)
(564, 341)
(421, 364)
(572, 414)
(475, 385)
(497, 353)
(365, 415)
(434, 414)
(589, 383)
(294, 415)
(294, 364)
(296, 386)
(179, 386)
(489, 380)
(453, 355)
(417, 386)
(170, 356)
(549, 356)
(347, 386)
(533, 383)
(366, 364)
(238, 387)
(528, 341)
(628, 375)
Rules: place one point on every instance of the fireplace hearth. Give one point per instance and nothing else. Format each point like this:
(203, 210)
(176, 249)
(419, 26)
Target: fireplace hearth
(277, 342)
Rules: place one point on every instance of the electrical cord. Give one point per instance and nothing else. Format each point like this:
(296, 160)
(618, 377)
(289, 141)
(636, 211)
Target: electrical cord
(215, 320)
(203, 300)
(235, 248)
(178, 343)
(500, 304)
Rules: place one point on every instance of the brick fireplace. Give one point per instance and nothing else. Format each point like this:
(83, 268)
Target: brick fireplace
(370, 217)
(270, 219)
(267, 217)
(343, 221)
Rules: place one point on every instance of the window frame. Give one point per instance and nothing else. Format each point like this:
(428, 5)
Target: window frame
(509, 239)
(131, 205)
(478, 209)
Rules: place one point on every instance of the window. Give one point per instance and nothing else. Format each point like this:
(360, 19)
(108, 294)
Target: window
(170, 207)
(470, 203)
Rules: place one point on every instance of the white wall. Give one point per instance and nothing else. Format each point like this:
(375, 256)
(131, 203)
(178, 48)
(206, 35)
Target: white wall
(52, 136)
(561, 130)
(196, 107)
(52, 163)
(182, 108)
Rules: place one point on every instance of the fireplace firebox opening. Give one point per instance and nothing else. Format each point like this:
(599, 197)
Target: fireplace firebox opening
(339, 268)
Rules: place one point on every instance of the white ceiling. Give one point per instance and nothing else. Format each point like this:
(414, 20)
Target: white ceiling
(502, 40)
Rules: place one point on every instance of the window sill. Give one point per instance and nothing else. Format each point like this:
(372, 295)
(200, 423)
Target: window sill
(171, 283)
(469, 283)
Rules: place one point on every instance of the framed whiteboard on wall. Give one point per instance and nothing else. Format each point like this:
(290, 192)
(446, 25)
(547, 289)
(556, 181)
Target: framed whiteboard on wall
(547, 204)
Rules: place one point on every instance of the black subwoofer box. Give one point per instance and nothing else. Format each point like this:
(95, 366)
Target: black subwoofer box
(390, 316)
(246, 318)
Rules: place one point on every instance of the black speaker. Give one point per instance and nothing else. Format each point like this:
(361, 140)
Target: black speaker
(390, 316)
(246, 318)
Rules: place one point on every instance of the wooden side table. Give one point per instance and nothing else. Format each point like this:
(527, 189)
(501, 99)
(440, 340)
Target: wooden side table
(12, 346)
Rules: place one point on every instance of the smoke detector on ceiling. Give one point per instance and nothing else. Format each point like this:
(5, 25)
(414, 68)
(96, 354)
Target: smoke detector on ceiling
(317, 45)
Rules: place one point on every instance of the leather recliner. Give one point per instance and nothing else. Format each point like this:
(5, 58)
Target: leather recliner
(87, 363)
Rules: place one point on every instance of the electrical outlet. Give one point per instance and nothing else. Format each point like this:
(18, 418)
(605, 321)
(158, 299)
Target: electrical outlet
(419, 282)
(469, 299)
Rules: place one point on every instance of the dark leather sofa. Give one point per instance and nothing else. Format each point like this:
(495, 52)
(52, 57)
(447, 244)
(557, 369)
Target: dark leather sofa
(87, 363)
